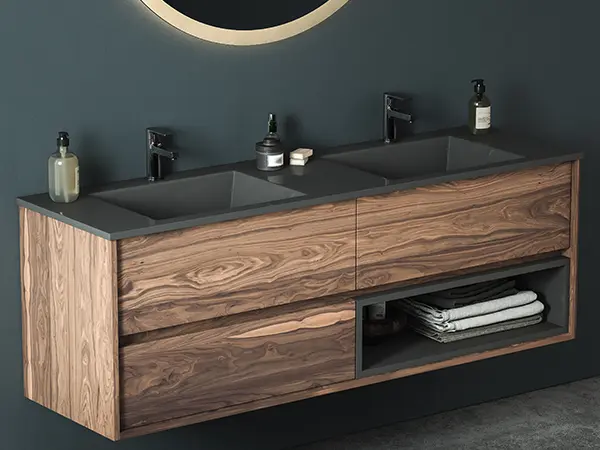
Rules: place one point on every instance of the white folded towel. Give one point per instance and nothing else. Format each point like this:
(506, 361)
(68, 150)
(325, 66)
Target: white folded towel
(518, 312)
(438, 315)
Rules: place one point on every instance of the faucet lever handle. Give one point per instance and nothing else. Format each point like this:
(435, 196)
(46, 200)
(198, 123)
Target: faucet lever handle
(391, 98)
(158, 137)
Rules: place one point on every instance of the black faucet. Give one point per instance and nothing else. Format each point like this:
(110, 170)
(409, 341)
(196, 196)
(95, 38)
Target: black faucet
(157, 140)
(393, 110)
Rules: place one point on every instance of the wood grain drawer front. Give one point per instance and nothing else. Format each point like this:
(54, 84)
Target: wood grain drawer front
(237, 363)
(454, 225)
(215, 270)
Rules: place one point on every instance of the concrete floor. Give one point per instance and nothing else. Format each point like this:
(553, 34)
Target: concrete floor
(563, 417)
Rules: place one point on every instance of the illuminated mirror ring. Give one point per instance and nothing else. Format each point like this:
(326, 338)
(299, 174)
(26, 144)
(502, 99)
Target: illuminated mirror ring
(171, 12)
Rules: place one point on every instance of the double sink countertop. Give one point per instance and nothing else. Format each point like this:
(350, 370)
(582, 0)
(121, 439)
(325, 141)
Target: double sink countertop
(333, 175)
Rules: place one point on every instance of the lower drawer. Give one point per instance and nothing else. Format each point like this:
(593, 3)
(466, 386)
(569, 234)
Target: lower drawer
(237, 362)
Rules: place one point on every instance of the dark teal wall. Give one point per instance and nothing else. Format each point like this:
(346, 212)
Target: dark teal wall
(105, 70)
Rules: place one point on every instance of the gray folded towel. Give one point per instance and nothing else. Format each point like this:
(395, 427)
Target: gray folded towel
(474, 293)
(444, 317)
(446, 337)
(518, 312)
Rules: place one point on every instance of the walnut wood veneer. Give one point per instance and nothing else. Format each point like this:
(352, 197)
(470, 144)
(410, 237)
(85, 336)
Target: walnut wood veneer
(70, 337)
(449, 226)
(573, 251)
(216, 270)
(237, 362)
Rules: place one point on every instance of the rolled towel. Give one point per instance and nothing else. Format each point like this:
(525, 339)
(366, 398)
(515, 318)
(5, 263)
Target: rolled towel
(531, 309)
(438, 315)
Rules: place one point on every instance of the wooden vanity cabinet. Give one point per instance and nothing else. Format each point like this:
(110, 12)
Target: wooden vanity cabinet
(150, 333)
(461, 224)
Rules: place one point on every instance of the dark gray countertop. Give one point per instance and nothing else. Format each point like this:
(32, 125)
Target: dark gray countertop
(322, 181)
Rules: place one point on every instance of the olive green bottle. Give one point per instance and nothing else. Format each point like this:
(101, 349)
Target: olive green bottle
(480, 109)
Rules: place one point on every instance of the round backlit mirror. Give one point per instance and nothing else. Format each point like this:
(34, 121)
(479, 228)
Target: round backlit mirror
(244, 22)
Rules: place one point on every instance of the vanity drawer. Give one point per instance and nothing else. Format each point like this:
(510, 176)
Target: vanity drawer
(237, 361)
(184, 276)
(455, 225)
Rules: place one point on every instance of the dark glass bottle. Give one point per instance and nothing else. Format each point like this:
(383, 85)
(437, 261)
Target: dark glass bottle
(269, 152)
(480, 109)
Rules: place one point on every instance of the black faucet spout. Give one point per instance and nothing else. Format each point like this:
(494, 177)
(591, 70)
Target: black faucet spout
(158, 151)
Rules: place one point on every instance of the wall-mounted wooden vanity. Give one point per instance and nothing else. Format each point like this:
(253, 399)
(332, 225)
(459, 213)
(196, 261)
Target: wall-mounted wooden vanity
(148, 333)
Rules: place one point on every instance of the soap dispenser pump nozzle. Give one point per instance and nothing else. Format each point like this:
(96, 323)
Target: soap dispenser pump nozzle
(63, 142)
(479, 86)
(63, 139)
(272, 124)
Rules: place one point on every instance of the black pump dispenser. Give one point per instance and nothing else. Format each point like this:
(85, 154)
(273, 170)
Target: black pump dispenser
(63, 139)
(479, 86)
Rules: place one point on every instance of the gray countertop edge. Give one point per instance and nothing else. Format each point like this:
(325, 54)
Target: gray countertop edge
(147, 226)
(22, 203)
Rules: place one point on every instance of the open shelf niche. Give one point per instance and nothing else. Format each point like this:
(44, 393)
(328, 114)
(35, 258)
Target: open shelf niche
(548, 278)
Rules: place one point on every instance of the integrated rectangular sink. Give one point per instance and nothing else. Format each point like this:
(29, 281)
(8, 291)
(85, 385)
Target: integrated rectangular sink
(196, 195)
(423, 157)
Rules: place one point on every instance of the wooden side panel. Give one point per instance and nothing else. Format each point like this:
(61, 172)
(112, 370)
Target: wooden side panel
(573, 251)
(70, 326)
(62, 257)
(455, 225)
(36, 308)
(237, 363)
(216, 270)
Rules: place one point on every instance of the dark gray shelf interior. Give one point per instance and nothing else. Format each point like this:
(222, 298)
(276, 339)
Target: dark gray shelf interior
(410, 349)
(549, 279)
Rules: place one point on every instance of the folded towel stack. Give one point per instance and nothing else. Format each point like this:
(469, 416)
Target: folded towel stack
(476, 310)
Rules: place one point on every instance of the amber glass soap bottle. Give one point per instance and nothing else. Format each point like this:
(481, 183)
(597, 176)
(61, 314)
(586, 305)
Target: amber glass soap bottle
(480, 109)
